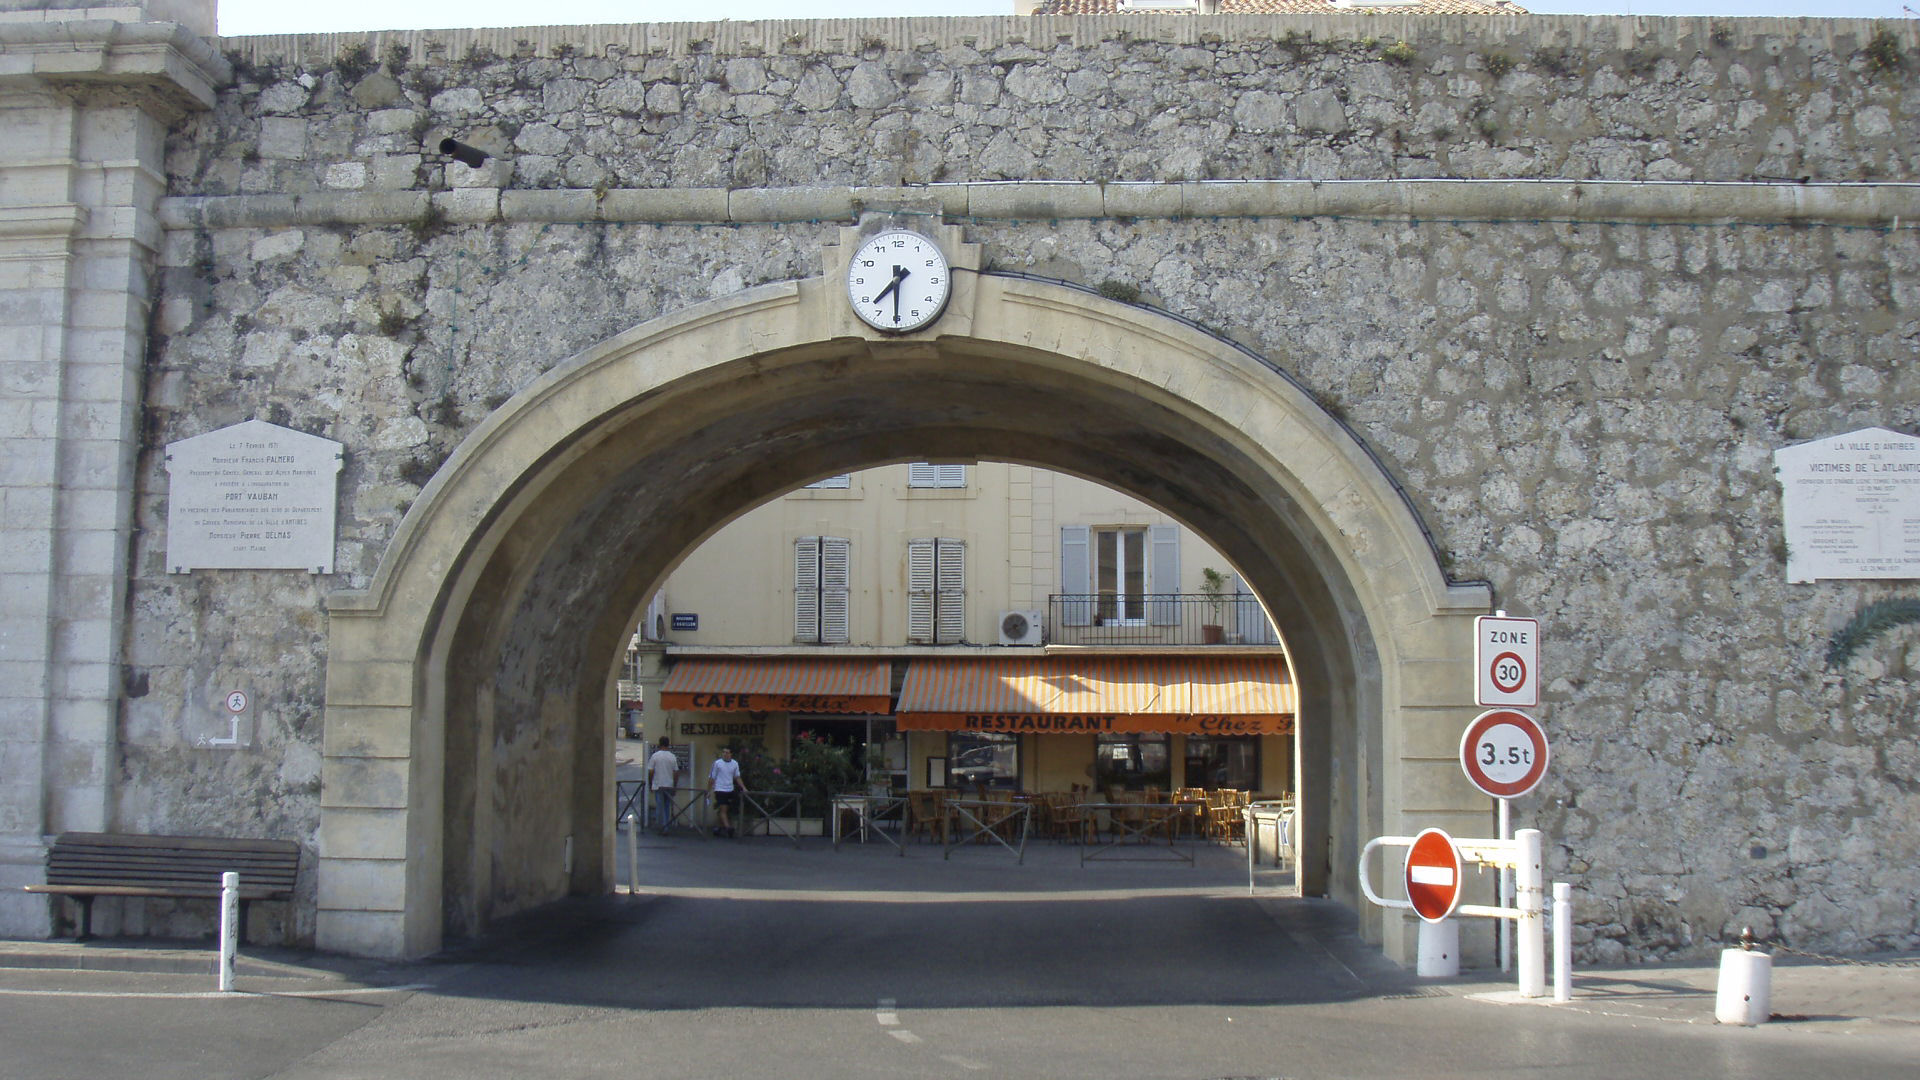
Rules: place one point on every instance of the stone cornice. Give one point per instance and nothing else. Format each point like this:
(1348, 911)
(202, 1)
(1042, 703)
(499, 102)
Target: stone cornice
(166, 67)
(24, 224)
(776, 37)
(1873, 205)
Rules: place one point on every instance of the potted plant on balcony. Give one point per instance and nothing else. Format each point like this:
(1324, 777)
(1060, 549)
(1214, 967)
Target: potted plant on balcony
(1213, 586)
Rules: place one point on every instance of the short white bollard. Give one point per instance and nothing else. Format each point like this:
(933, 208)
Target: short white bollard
(633, 855)
(1746, 988)
(229, 927)
(1437, 955)
(1562, 941)
(1530, 931)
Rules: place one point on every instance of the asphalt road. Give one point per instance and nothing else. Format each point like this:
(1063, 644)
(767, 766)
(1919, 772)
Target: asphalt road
(758, 959)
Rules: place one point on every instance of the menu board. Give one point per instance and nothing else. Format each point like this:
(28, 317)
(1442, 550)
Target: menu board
(254, 496)
(1851, 506)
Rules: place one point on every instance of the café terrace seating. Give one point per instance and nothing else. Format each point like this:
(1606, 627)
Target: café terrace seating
(1065, 815)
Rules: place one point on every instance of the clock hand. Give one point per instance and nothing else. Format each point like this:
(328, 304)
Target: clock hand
(899, 275)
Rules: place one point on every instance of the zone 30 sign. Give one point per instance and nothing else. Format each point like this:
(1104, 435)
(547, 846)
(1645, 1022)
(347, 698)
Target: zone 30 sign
(1506, 661)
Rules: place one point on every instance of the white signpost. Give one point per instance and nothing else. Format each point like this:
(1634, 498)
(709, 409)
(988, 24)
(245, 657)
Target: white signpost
(1506, 660)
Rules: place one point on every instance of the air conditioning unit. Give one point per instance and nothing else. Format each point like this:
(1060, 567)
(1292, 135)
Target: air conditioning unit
(1020, 628)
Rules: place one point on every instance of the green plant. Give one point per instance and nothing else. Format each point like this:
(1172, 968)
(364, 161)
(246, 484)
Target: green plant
(1119, 290)
(1399, 53)
(1498, 64)
(354, 61)
(1873, 620)
(1883, 52)
(1213, 586)
(817, 770)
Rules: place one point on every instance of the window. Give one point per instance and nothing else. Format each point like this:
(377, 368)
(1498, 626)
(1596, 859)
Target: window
(1224, 762)
(1108, 571)
(1133, 761)
(1120, 575)
(844, 480)
(989, 758)
(936, 591)
(920, 474)
(822, 567)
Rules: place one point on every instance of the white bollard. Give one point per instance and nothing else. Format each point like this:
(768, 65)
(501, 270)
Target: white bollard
(1746, 988)
(229, 927)
(1562, 941)
(1529, 934)
(633, 855)
(1438, 953)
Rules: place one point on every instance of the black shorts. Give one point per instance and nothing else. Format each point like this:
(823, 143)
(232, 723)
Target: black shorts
(726, 798)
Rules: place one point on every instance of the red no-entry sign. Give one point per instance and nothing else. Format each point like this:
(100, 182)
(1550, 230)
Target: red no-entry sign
(1433, 875)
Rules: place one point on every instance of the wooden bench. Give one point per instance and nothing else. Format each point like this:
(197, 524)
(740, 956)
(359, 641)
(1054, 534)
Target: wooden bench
(86, 865)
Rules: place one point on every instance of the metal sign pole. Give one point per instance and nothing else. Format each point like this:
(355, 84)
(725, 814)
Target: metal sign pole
(1503, 931)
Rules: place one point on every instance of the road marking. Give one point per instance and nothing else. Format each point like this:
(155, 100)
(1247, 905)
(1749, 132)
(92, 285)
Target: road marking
(886, 1014)
(905, 1036)
(965, 1063)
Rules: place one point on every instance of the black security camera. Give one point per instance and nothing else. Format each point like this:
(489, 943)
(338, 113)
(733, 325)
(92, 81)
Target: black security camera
(471, 156)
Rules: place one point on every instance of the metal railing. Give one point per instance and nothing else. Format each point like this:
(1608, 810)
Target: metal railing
(1157, 619)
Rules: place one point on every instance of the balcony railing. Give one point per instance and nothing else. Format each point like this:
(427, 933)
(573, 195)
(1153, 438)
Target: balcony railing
(1157, 619)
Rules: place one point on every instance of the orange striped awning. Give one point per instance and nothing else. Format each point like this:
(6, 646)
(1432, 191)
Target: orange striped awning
(1195, 695)
(836, 686)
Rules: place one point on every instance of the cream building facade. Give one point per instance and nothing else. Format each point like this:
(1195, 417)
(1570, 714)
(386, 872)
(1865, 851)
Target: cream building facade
(983, 564)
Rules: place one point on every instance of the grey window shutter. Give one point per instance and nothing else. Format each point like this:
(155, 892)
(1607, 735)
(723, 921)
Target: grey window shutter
(920, 475)
(1076, 575)
(806, 589)
(836, 576)
(950, 476)
(1164, 568)
(920, 590)
(950, 570)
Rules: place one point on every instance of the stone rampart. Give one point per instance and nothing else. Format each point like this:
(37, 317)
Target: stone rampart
(1560, 273)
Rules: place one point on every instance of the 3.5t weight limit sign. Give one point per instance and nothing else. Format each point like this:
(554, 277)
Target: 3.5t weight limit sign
(1504, 753)
(1506, 660)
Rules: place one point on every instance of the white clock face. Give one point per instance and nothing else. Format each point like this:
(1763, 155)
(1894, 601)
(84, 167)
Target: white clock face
(898, 281)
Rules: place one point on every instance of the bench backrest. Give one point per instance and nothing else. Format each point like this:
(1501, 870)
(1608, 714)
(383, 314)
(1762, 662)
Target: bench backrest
(174, 862)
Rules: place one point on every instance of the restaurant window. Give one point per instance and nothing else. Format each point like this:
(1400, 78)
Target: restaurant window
(1215, 761)
(1133, 761)
(983, 757)
(921, 474)
(822, 569)
(936, 591)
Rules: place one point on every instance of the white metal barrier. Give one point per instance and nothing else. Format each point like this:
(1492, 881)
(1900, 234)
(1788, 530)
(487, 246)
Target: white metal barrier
(1522, 855)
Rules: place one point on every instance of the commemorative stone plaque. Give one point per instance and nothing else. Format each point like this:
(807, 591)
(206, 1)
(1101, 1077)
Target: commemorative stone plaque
(1851, 506)
(254, 496)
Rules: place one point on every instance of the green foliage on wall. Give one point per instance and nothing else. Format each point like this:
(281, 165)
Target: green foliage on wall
(1873, 620)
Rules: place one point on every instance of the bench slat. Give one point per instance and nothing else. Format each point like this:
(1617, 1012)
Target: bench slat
(141, 890)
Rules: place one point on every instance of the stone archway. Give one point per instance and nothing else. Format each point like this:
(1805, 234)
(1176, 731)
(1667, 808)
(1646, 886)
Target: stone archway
(467, 739)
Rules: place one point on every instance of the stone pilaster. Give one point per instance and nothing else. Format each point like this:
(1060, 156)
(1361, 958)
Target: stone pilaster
(86, 95)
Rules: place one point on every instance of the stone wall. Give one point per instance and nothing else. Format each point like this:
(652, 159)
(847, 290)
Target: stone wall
(1583, 404)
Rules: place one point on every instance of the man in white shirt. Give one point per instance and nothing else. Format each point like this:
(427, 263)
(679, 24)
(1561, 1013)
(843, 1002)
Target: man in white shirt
(727, 786)
(662, 768)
